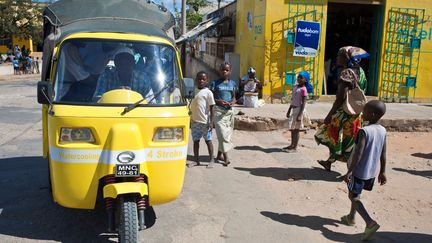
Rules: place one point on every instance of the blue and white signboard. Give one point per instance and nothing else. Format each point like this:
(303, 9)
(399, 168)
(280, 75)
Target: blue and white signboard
(307, 39)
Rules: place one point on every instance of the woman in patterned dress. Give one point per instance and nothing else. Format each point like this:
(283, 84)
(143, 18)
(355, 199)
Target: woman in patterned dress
(340, 129)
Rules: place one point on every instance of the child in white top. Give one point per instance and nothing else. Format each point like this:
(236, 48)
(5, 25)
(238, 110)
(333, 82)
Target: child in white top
(202, 118)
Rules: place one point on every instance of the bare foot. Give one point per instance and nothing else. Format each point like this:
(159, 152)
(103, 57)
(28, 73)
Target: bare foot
(210, 164)
(193, 164)
(326, 164)
(288, 147)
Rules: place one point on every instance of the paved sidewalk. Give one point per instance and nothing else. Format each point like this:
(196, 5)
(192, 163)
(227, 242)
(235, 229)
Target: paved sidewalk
(399, 116)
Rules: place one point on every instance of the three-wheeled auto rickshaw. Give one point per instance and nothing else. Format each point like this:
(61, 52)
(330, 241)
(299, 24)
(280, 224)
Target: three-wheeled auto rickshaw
(115, 116)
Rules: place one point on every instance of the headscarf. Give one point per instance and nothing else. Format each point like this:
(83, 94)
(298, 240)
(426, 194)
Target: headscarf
(308, 85)
(305, 75)
(352, 54)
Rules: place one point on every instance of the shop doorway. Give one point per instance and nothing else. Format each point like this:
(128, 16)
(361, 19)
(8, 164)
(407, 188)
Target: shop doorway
(350, 24)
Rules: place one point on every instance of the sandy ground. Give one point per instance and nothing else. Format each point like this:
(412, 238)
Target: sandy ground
(405, 202)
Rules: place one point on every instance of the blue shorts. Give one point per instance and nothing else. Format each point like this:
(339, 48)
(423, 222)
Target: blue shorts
(356, 185)
(201, 130)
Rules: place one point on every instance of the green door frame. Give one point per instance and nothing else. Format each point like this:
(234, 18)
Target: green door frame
(376, 50)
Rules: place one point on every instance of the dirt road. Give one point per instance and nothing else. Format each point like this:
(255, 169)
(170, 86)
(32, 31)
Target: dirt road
(265, 195)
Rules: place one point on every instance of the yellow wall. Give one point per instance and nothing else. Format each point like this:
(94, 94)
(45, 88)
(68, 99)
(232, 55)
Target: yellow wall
(264, 47)
(23, 41)
(250, 38)
(3, 49)
(424, 80)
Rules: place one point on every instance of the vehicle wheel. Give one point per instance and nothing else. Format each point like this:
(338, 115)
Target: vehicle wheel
(128, 225)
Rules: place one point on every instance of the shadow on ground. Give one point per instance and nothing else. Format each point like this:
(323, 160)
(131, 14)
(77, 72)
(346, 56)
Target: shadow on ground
(28, 211)
(424, 173)
(284, 174)
(258, 148)
(319, 223)
(422, 155)
(202, 158)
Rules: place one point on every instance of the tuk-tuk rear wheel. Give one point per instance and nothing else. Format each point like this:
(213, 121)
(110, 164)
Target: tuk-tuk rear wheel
(128, 225)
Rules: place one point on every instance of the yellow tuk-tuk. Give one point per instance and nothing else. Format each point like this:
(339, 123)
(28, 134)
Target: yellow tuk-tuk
(115, 116)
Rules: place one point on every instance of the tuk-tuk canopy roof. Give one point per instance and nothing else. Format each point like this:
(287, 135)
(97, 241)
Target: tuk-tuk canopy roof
(66, 17)
(129, 16)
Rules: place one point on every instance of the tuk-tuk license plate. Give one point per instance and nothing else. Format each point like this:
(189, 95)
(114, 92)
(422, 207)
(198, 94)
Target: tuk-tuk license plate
(127, 170)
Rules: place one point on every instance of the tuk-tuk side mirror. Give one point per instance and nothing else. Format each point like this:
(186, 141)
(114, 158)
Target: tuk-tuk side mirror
(188, 88)
(44, 92)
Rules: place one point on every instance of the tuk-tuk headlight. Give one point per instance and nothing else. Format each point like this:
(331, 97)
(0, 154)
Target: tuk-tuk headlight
(76, 135)
(168, 134)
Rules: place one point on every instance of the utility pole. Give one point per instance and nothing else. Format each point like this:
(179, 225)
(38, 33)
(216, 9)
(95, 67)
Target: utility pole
(219, 1)
(183, 17)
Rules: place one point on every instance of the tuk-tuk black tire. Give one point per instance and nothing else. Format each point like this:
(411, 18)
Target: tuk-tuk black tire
(128, 225)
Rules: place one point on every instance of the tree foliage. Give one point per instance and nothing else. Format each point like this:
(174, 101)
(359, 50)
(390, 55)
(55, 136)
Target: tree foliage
(22, 18)
(193, 17)
(197, 4)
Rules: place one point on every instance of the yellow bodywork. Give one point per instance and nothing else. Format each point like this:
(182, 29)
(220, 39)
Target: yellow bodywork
(113, 190)
(75, 178)
(76, 168)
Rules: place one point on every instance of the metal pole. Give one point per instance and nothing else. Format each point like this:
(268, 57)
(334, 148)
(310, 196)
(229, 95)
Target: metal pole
(183, 17)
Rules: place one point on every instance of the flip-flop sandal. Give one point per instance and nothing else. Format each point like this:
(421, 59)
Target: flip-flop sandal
(290, 150)
(210, 165)
(369, 232)
(325, 164)
(287, 147)
(226, 163)
(346, 221)
(192, 164)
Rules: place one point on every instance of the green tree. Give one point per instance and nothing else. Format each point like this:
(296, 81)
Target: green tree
(193, 17)
(22, 18)
(197, 4)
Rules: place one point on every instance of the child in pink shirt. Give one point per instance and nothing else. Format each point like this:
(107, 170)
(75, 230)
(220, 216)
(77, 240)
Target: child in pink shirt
(299, 117)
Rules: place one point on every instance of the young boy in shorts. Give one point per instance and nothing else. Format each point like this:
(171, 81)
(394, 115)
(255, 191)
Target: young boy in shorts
(367, 161)
(202, 118)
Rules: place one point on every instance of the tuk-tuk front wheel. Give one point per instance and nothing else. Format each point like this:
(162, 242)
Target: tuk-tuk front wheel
(128, 225)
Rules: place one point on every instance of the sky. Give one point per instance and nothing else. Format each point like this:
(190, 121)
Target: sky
(168, 3)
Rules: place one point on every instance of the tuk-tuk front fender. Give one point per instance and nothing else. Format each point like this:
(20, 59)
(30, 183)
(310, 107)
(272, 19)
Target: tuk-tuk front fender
(115, 189)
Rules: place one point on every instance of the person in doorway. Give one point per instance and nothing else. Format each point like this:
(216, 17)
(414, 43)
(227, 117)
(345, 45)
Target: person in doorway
(202, 118)
(367, 162)
(298, 118)
(339, 128)
(224, 90)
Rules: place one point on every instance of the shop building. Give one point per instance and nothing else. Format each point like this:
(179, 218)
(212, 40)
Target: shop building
(396, 34)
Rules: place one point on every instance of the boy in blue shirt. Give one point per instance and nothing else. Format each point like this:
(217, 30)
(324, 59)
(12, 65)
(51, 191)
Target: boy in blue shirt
(224, 94)
(368, 160)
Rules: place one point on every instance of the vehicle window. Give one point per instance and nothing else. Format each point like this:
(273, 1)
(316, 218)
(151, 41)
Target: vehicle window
(87, 69)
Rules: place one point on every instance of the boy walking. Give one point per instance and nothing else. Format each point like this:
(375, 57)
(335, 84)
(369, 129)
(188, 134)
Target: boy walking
(202, 118)
(364, 166)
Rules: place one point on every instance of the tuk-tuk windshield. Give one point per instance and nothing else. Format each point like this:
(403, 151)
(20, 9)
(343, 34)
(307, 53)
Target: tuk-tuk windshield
(87, 68)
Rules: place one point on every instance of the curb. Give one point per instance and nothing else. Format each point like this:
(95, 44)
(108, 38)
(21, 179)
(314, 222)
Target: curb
(246, 123)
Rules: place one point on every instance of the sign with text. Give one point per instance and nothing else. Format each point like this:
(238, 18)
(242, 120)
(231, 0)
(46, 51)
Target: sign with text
(307, 38)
